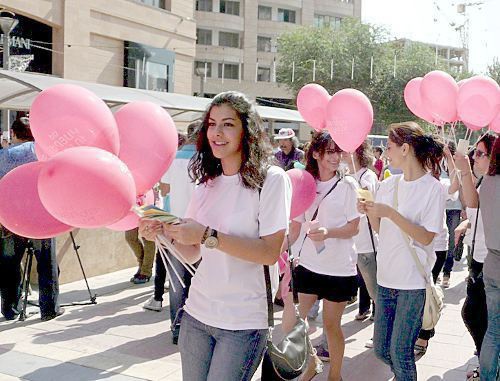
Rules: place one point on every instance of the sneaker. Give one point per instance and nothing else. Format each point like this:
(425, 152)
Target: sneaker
(446, 281)
(153, 305)
(362, 315)
(369, 343)
(322, 353)
(141, 279)
(53, 316)
(131, 280)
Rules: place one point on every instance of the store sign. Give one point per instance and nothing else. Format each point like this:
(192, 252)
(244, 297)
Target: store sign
(18, 42)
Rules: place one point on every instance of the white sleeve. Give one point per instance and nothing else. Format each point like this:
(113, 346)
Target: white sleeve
(432, 215)
(193, 205)
(275, 202)
(350, 201)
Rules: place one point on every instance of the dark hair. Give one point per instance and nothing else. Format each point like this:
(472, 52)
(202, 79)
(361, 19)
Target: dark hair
(452, 147)
(21, 127)
(488, 140)
(428, 149)
(495, 159)
(256, 153)
(364, 154)
(181, 139)
(319, 144)
(378, 149)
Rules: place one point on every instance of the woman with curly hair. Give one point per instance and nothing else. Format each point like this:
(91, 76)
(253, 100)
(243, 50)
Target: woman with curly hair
(236, 222)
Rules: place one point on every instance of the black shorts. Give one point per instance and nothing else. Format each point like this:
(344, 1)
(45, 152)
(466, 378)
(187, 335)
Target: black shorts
(332, 288)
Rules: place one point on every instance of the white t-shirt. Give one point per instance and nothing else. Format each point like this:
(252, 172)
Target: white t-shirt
(480, 250)
(421, 201)
(227, 292)
(339, 257)
(368, 180)
(181, 185)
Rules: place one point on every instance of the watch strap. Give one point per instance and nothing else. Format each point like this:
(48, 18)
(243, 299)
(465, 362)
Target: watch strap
(205, 235)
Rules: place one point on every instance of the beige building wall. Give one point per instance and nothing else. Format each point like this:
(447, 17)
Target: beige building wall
(88, 40)
(249, 26)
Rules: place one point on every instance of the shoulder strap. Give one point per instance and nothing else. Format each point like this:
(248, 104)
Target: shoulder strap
(475, 222)
(367, 219)
(413, 252)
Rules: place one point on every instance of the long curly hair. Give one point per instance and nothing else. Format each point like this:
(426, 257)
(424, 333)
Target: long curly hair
(256, 152)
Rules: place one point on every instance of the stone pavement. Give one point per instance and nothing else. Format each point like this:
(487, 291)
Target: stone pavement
(117, 340)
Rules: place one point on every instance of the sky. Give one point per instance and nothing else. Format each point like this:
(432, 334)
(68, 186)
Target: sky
(429, 21)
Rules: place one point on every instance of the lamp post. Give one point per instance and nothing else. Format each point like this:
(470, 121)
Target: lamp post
(7, 24)
(201, 72)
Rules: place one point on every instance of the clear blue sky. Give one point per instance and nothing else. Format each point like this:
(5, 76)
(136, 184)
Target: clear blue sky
(429, 21)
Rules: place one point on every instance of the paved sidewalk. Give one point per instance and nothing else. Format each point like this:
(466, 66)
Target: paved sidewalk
(117, 340)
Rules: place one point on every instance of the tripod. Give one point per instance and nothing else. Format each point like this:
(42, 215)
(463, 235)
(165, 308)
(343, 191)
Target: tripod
(27, 275)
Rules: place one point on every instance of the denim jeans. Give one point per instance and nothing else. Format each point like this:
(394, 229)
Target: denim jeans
(215, 354)
(397, 324)
(177, 298)
(11, 254)
(452, 221)
(491, 342)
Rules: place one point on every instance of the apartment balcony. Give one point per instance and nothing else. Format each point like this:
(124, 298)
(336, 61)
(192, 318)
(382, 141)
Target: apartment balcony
(211, 20)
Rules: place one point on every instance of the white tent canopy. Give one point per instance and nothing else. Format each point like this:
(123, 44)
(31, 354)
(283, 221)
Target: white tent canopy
(18, 89)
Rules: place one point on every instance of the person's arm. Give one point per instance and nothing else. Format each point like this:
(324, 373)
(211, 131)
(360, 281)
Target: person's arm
(349, 230)
(164, 189)
(264, 250)
(417, 232)
(469, 191)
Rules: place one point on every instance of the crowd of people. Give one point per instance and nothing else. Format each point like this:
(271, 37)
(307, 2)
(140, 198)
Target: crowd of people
(422, 199)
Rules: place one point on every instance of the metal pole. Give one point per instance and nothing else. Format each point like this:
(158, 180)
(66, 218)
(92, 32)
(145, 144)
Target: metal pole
(6, 66)
(202, 86)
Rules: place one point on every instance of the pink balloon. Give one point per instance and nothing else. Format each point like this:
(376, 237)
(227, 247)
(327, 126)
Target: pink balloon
(478, 100)
(131, 220)
(349, 118)
(495, 124)
(471, 126)
(148, 142)
(439, 93)
(86, 187)
(413, 99)
(312, 101)
(40, 153)
(303, 191)
(65, 116)
(22, 211)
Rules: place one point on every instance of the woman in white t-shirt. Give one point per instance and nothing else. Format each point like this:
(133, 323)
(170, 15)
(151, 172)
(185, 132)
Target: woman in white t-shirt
(325, 246)
(236, 221)
(408, 211)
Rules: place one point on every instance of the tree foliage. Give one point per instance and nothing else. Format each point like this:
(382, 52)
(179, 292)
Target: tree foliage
(494, 70)
(354, 41)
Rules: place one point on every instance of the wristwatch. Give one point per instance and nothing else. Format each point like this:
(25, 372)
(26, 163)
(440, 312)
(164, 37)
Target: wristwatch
(212, 241)
(205, 235)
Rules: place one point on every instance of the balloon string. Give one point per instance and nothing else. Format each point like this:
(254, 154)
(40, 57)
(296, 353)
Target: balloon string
(353, 164)
(473, 147)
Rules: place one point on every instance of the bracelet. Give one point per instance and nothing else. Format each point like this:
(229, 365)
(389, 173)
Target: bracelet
(205, 235)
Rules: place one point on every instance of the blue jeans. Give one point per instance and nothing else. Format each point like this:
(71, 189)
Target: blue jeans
(452, 221)
(214, 354)
(397, 323)
(490, 349)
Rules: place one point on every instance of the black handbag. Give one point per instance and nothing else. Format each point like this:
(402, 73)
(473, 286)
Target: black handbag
(289, 358)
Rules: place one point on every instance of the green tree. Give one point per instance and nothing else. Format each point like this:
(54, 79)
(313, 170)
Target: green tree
(359, 42)
(494, 70)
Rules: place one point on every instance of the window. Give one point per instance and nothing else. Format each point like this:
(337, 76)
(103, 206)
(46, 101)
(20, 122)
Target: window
(231, 71)
(286, 15)
(228, 39)
(327, 20)
(201, 65)
(264, 12)
(264, 74)
(263, 44)
(203, 36)
(230, 7)
(204, 5)
(154, 3)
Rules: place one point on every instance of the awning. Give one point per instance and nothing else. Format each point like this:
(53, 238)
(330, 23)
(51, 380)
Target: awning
(18, 89)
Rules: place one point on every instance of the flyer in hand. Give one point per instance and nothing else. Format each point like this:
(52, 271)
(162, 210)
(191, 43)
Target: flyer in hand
(151, 212)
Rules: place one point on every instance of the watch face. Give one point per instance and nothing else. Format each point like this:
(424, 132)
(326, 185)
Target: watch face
(211, 242)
